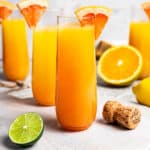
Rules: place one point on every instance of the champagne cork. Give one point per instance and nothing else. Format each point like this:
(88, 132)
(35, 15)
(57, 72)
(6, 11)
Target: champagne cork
(101, 47)
(126, 116)
(109, 110)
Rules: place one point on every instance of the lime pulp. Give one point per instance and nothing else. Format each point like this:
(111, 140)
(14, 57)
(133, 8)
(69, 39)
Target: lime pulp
(26, 129)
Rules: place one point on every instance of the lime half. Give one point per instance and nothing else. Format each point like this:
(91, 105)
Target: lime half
(26, 129)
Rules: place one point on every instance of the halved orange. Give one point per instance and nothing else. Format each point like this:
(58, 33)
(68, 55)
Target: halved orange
(6, 8)
(95, 15)
(120, 65)
(146, 8)
(32, 10)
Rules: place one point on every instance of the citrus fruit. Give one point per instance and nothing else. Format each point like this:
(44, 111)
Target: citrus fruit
(26, 129)
(94, 15)
(120, 65)
(142, 91)
(146, 8)
(6, 8)
(32, 10)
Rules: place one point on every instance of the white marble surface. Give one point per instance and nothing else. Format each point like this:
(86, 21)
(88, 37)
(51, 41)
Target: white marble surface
(99, 136)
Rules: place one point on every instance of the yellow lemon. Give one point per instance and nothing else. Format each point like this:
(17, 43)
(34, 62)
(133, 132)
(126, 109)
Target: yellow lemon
(142, 91)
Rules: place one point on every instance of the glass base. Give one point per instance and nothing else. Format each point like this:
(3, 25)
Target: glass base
(69, 128)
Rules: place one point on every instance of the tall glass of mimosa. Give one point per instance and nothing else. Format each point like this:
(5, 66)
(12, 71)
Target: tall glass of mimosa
(76, 99)
(15, 48)
(44, 60)
(140, 38)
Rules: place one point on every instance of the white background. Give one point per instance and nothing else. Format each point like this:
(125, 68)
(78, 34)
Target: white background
(110, 3)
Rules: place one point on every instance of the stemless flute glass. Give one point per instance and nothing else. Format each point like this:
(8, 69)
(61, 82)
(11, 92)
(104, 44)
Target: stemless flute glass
(44, 60)
(76, 75)
(140, 37)
(15, 47)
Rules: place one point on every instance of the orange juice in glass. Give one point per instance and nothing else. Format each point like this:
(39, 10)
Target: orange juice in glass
(15, 48)
(76, 99)
(44, 60)
(139, 37)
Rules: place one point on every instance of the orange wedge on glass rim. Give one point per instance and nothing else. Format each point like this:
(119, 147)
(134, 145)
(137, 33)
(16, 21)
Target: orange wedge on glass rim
(146, 8)
(6, 8)
(95, 15)
(120, 65)
(32, 10)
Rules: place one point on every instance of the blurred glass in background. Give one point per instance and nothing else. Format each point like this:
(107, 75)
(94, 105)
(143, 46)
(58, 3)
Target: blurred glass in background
(117, 30)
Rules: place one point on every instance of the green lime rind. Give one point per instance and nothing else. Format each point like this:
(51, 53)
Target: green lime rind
(26, 129)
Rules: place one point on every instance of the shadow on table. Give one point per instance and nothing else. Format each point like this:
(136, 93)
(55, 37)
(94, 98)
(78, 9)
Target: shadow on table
(26, 101)
(11, 146)
(2, 76)
(52, 124)
(100, 82)
(138, 104)
(114, 126)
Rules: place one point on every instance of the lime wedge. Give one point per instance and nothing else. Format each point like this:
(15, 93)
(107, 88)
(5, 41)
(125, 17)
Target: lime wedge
(26, 129)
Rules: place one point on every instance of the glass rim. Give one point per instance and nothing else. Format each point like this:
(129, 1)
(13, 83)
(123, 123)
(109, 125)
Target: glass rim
(71, 17)
(66, 17)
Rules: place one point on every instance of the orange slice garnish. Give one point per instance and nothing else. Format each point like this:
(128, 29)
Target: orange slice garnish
(146, 8)
(6, 8)
(94, 15)
(32, 10)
